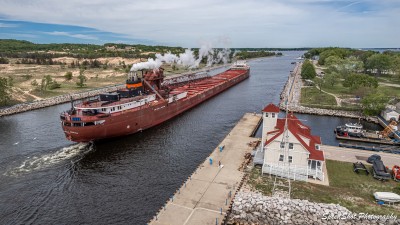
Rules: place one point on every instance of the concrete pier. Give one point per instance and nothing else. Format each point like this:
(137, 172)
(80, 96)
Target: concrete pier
(207, 194)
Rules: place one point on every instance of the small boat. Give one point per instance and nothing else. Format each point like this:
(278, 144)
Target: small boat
(387, 197)
(396, 172)
(350, 129)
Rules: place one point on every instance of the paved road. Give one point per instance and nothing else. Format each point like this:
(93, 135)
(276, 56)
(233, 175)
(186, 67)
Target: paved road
(355, 155)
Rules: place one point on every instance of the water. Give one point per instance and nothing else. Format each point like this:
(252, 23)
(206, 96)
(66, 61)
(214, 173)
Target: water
(46, 179)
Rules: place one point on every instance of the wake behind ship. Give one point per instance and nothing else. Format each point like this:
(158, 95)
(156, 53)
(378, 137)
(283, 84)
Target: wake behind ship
(146, 101)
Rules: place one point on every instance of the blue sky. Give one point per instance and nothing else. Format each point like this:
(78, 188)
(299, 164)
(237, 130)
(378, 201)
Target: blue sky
(191, 23)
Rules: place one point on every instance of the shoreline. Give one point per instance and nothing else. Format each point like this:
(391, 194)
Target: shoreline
(294, 100)
(61, 99)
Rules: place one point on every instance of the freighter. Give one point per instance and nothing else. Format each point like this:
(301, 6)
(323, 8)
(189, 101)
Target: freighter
(145, 101)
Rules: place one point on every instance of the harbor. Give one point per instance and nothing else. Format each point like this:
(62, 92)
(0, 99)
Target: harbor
(120, 178)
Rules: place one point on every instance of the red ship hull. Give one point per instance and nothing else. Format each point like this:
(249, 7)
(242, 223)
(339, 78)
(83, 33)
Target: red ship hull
(149, 115)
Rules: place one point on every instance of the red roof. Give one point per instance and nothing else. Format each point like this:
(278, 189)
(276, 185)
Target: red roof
(271, 108)
(297, 128)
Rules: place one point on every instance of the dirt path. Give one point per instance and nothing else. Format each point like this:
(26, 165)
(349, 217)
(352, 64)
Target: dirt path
(389, 84)
(338, 100)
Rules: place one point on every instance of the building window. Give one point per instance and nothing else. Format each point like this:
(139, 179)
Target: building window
(266, 114)
(290, 159)
(282, 144)
(273, 115)
(290, 146)
(317, 147)
(281, 158)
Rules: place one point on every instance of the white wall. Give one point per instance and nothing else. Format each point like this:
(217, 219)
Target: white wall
(299, 153)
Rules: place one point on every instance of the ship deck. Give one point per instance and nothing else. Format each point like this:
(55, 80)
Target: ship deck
(194, 88)
(198, 87)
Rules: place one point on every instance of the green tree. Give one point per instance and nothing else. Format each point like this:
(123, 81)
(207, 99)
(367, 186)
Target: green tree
(82, 79)
(4, 60)
(47, 81)
(4, 91)
(308, 70)
(378, 62)
(331, 78)
(10, 81)
(319, 82)
(34, 83)
(374, 103)
(354, 81)
(68, 75)
(54, 85)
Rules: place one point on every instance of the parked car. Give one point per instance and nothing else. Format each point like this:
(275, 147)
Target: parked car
(379, 170)
(373, 157)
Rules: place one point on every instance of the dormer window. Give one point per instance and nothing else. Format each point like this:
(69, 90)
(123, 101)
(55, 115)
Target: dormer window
(266, 114)
(273, 115)
(317, 147)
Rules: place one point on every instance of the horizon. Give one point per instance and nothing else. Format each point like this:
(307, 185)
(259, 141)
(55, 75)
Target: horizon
(190, 24)
(215, 47)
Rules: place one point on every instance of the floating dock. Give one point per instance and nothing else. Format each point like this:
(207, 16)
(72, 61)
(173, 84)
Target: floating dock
(388, 149)
(369, 140)
(206, 195)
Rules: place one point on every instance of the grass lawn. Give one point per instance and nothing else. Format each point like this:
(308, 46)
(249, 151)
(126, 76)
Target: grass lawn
(337, 89)
(391, 91)
(389, 79)
(348, 189)
(313, 96)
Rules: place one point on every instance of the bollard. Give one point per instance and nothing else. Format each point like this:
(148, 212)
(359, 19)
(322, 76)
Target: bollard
(216, 221)
(226, 201)
(230, 194)
(172, 198)
(221, 211)
(179, 191)
(185, 184)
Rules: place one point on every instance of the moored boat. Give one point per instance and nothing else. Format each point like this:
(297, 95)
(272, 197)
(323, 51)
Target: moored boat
(350, 129)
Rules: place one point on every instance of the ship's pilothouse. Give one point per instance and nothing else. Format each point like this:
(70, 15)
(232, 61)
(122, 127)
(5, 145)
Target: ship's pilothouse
(140, 89)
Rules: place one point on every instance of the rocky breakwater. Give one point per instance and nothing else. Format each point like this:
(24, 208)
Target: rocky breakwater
(294, 85)
(328, 112)
(254, 208)
(55, 100)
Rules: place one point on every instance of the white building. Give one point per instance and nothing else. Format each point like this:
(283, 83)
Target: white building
(389, 114)
(303, 158)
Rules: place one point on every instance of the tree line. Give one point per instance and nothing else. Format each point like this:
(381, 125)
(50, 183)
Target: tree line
(357, 70)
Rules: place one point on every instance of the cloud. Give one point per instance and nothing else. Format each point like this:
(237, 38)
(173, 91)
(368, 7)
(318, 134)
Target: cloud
(253, 23)
(80, 36)
(8, 25)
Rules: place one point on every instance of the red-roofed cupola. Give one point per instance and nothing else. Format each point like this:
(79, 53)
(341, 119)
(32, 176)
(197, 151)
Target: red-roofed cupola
(271, 108)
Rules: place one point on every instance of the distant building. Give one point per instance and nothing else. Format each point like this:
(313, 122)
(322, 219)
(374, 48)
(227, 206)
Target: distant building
(305, 158)
(390, 114)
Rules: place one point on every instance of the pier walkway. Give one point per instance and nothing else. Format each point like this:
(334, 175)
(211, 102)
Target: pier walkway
(206, 195)
(356, 155)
